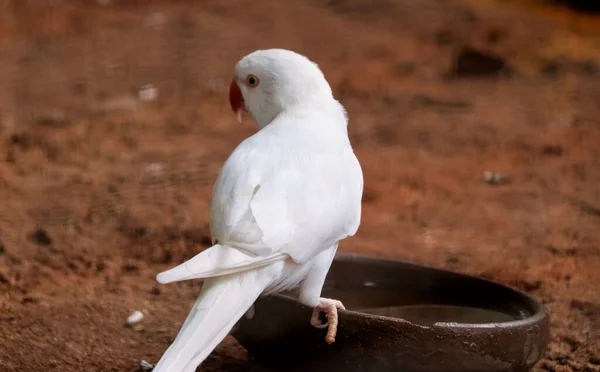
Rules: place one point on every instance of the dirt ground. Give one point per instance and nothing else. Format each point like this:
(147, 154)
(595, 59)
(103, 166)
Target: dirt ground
(101, 190)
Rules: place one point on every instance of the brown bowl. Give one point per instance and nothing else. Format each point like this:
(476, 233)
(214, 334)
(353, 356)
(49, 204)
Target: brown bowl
(401, 317)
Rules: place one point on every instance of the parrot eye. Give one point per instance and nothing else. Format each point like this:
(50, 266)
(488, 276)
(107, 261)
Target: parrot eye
(252, 81)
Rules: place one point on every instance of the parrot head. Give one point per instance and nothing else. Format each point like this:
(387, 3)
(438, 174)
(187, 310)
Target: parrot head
(267, 82)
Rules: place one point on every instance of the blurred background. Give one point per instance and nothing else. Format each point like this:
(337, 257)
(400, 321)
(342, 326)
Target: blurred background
(477, 124)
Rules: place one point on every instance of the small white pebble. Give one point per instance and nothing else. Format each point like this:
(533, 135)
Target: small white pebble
(155, 20)
(145, 366)
(488, 176)
(116, 104)
(148, 93)
(214, 85)
(495, 178)
(566, 120)
(155, 169)
(135, 318)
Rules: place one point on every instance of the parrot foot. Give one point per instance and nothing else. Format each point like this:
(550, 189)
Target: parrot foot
(329, 307)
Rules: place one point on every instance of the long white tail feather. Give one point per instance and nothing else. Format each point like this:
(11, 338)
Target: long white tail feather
(223, 301)
(217, 260)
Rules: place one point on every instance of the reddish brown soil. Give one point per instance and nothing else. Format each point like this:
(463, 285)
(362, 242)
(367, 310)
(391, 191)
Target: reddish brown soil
(99, 191)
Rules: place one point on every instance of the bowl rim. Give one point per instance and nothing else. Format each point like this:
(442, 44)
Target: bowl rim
(538, 311)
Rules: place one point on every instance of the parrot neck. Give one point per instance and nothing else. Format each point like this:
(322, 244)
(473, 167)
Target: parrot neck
(326, 110)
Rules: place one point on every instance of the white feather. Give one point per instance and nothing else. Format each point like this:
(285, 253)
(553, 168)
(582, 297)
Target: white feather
(301, 181)
(217, 260)
(222, 302)
(284, 199)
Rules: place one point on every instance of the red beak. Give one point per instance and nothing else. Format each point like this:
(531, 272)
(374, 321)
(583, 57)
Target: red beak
(236, 100)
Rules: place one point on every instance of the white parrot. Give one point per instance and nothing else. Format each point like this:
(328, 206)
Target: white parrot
(282, 202)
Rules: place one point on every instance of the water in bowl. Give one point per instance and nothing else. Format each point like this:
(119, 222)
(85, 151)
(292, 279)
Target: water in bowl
(430, 314)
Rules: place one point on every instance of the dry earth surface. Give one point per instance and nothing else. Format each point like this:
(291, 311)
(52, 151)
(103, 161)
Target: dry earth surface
(100, 190)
